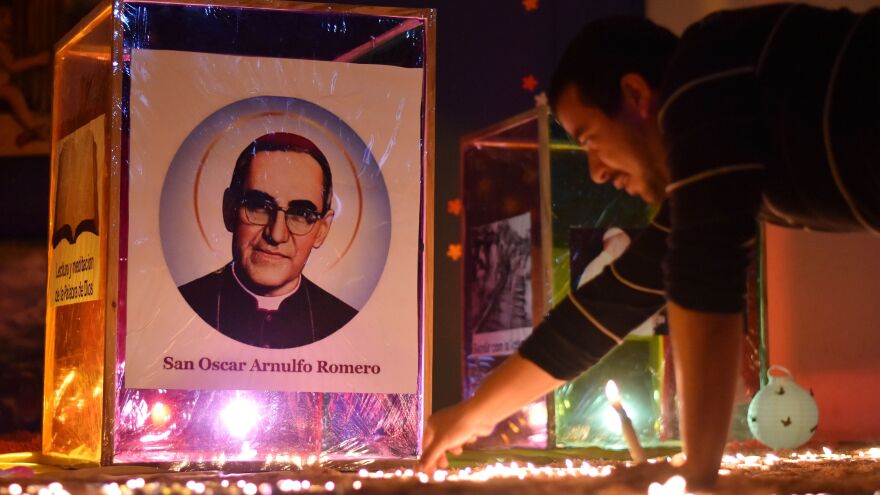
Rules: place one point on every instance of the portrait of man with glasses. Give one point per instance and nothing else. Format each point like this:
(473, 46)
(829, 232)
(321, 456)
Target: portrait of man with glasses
(278, 208)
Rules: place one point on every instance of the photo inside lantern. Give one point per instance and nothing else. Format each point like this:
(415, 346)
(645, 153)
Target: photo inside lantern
(585, 417)
(525, 183)
(593, 227)
(502, 277)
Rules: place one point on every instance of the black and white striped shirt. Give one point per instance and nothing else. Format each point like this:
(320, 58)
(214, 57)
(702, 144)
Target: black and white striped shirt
(597, 316)
(769, 112)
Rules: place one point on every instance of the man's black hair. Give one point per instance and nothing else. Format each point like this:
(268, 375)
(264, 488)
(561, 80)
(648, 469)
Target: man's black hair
(281, 141)
(604, 51)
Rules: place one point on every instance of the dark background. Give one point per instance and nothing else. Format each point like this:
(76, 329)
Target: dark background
(484, 50)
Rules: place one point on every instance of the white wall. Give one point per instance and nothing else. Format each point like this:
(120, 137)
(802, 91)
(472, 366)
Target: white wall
(678, 14)
(823, 300)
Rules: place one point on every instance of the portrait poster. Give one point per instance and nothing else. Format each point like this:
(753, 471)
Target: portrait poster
(500, 295)
(75, 275)
(273, 224)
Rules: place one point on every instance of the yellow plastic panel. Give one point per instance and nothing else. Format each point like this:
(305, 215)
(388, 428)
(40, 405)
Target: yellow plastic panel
(78, 223)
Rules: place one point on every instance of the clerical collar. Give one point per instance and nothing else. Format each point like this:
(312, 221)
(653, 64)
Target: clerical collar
(266, 303)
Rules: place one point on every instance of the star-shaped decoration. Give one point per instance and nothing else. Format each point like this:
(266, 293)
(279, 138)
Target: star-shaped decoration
(530, 5)
(510, 205)
(454, 252)
(529, 83)
(485, 185)
(454, 206)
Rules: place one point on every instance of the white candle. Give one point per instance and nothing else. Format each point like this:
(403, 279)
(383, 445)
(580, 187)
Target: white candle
(629, 433)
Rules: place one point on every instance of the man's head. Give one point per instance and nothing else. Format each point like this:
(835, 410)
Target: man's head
(277, 207)
(605, 94)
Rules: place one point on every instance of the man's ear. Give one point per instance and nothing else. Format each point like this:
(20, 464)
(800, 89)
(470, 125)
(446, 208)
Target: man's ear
(637, 94)
(323, 229)
(229, 208)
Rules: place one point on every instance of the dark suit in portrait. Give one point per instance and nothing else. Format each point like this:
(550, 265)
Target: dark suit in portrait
(304, 317)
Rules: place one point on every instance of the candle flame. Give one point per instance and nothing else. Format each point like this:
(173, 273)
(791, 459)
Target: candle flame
(160, 414)
(240, 416)
(673, 486)
(612, 393)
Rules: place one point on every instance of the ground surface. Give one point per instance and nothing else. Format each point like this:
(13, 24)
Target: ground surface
(845, 471)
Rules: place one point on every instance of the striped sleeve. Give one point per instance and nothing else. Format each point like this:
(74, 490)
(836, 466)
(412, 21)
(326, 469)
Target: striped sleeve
(715, 132)
(581, 329)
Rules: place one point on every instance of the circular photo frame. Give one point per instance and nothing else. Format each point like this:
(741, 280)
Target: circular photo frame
(197, 240)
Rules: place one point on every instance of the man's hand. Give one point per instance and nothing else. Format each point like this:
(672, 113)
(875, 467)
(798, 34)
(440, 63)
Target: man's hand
(707, 349)
(506, 390)
(641, 476)
(449, 430)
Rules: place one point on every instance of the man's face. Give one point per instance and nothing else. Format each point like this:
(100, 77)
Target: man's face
(269, 258)
(624, 149)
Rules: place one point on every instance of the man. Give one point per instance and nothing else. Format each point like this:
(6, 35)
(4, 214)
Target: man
(262, 298)
(750, 114)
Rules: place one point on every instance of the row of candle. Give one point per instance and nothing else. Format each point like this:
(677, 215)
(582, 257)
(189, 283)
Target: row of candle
(571, 469)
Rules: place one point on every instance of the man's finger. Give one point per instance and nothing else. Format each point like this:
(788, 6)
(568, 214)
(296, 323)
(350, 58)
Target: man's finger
(456, 451)
(432, 451)
(427, 437)
(427, 445)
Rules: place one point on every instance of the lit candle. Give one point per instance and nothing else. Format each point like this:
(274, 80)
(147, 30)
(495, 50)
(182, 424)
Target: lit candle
(673, 486)
(629, 433)
(160, 414)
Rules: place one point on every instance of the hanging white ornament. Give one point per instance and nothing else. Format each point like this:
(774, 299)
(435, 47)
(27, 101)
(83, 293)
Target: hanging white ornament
(783, 415)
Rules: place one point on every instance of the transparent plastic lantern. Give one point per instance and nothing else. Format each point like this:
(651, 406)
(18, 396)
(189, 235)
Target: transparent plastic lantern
(143, 87)
(783, 415)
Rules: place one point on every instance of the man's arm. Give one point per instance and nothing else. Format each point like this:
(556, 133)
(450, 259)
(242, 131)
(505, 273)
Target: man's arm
(707, 351)
(516, 382)
(567, 342)
(719, 139)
